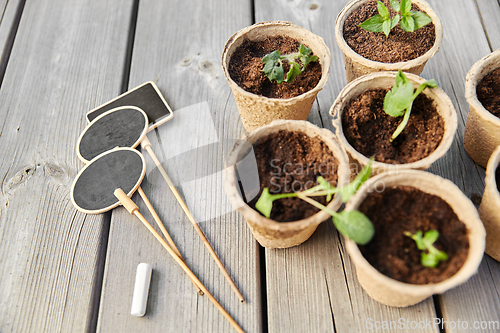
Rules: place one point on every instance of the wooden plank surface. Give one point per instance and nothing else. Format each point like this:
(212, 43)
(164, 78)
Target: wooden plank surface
(314, 286)
(67, 58)
(181, 50)
(490, 12)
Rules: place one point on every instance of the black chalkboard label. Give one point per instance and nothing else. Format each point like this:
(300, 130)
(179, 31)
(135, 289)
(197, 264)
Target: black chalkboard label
(146, 97)
(121, 127)
(93, 190)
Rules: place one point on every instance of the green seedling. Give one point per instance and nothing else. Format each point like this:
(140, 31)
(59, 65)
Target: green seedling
(352, 224)
(273, 64)
(432, 257)
(399, 100)
(409, 20)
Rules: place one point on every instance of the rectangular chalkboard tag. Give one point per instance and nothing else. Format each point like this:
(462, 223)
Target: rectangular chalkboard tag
(147, 97)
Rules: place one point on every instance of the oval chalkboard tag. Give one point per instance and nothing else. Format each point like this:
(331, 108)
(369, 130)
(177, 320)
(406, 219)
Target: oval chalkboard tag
(93, 190)
(121, 127)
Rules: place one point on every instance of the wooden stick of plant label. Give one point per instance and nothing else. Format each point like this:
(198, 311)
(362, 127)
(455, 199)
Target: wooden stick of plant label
(132, 208)
(164, 231)
(146, 144)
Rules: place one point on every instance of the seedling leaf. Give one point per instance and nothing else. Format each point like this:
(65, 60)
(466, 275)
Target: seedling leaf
(395, 21)
(407, 23)
(273, 65)
(409, 20)
(405, 6)
(348, 191)
(433, 256)
(399, 99)
(354, 225)
(395, 5)
(292, 72)
(373, 24)
(265, 203)
(382, 10)
(420, 19)
(387, 27)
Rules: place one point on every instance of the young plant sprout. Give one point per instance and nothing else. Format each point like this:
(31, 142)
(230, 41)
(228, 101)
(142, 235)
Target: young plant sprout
(273, 61)
(399, 99)
(432, 257)
(352, 224)
(409, 20)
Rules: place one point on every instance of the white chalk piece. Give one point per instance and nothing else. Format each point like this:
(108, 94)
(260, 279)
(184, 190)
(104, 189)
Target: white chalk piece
(141, 289)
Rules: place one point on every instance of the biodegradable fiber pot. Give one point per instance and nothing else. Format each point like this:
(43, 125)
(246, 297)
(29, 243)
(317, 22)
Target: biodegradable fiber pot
(482, 130)
(490, 207)
(255, 110)
(356, 65)
(395, 293)
(385, 80)
(270, 233)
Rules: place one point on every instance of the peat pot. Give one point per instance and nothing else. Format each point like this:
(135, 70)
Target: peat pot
(356, 65)
(270, 233)
(395, 293)
(255, 110)
(490, 206)
(482, 130)
(385, 80)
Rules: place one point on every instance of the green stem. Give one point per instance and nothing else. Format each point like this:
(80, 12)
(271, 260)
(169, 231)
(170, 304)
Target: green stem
(318, 205)
(284, 195)
(419, 90)
(403, 124)
(320, 193)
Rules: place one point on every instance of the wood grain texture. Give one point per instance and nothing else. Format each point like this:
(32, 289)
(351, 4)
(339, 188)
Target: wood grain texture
(65, 61)
(314, 286)
(490, 12)
(178, 44)
(449, 67)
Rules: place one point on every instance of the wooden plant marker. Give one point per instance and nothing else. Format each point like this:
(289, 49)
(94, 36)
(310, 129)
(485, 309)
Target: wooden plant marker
(106, 131)
(147, 97)
(120, 127)
(108, 181)
(146, 144)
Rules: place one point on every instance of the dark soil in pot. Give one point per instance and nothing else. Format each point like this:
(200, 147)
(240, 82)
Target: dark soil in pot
(399, 46)
(245, 68)
(369, 129)
(291, 162)
(488, 92)
(402, 208)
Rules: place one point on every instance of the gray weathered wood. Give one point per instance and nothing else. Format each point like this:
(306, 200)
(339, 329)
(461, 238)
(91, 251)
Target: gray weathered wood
(67, 58)
(314, 287)
(179, 44)
(490, 12)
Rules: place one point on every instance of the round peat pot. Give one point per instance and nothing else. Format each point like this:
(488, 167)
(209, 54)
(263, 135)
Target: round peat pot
(270, 233)
(395, 293)
(256, 110)
(385, 80)
(356, 65)
(490, 205)
(482, 130)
